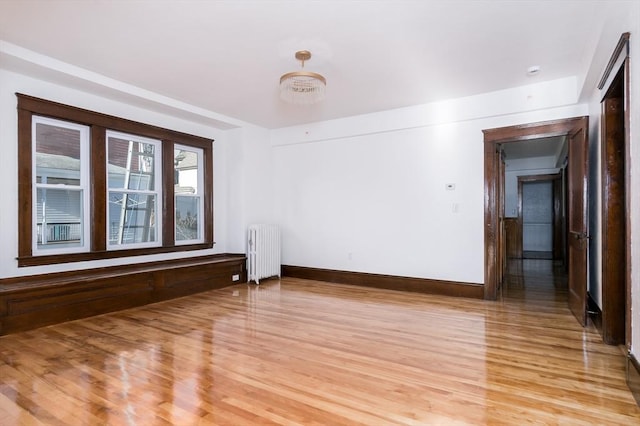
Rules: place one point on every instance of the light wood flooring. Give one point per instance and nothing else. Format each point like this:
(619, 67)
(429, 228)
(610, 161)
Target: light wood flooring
(297, 352)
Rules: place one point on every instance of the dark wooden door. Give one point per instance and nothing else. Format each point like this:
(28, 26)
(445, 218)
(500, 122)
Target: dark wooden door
(578, 230)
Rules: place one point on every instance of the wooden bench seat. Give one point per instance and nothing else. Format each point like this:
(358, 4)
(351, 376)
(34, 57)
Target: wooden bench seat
(37, 300)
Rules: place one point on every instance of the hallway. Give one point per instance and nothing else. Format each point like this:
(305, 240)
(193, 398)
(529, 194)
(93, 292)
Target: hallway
(536, 284)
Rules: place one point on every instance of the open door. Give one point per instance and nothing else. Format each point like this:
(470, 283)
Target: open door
(577, 223)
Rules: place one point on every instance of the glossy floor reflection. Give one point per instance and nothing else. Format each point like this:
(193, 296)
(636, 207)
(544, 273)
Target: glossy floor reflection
(304, 352)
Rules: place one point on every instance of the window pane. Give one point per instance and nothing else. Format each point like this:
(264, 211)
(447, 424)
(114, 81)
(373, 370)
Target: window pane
(132, 218)
(131, 164)
(188, 180)
(57, 154)
(187, 218)
(185, 171)
(59, 218)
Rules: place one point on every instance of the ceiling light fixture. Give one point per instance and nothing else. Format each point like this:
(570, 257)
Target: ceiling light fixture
(302, 87)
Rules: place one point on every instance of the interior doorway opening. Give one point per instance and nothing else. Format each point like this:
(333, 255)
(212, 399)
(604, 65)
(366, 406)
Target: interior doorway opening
(615, 245)
(575, 130)
(542, 212)
(537, 220)
(535, 200)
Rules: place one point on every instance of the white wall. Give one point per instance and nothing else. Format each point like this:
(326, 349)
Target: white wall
(379, 204)
(12, 83)
(249, 183)
(368, 193)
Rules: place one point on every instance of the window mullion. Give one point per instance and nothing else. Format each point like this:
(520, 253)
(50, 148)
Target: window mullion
(168, 194)
(98, 185)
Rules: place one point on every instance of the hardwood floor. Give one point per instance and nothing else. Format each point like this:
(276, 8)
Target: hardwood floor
(294, 351)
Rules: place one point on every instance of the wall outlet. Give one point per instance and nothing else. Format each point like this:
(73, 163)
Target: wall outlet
(235, 277)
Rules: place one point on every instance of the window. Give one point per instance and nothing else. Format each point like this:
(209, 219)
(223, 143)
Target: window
(60, 182)
(134, 184)
(188, 177)
(94, 186)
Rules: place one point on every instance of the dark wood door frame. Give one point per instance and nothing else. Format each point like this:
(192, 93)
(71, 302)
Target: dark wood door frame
(616, 239)
(556, 206)
(502, 264)
(492, 139)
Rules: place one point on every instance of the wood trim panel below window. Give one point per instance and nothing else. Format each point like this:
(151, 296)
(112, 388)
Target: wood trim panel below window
(38, 300)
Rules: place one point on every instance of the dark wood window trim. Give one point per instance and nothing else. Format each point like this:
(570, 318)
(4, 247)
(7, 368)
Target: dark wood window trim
(29, 106)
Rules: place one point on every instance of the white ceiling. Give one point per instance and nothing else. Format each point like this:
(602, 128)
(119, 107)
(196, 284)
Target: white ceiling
(227, 56)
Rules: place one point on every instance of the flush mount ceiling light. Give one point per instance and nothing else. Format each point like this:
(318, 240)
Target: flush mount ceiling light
(302, 87)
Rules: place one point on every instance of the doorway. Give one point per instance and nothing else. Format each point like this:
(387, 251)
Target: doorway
(537, 219)
(575, 130)
(615, 243)
(541, 215)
